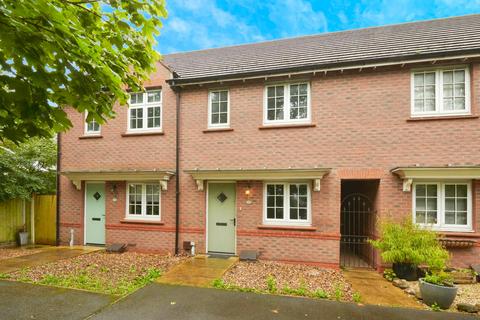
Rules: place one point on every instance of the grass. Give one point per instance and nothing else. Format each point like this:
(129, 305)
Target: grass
(272, 288)
(85, 282)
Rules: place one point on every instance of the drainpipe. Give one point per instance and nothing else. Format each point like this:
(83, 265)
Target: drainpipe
(59, 154)
(177, 170)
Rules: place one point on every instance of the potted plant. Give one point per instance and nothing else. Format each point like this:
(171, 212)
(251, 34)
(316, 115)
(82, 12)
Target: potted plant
(23, 236)
(437, 288)
(406, 246)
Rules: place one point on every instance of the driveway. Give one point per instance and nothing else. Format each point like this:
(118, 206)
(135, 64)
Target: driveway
(157, 301)
(27, 301)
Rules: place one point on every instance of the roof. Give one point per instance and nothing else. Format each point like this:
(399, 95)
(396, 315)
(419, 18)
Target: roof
(425, 39)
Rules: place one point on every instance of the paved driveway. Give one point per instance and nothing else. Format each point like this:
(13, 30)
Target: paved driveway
(27, 301)
(158, 301)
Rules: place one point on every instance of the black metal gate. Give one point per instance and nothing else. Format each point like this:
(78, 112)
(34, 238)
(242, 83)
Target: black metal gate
(357, 224)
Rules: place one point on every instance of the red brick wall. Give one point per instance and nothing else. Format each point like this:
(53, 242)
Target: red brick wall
(114, 151)
(361, 132)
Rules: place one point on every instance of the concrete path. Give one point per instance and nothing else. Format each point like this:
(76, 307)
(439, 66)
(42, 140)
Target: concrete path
(158, 301)
(48, 254)
(374, 289)
(199, 271)
(26, 301)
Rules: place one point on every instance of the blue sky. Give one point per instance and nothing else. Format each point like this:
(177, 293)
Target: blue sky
(202, 24)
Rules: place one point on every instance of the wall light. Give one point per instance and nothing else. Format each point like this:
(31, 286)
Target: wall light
(114, 192)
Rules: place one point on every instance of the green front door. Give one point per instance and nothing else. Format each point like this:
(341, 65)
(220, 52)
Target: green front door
(221, 217)
(95, 213)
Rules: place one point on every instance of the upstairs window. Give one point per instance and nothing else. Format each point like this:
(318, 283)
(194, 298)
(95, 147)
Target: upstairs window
(287, 103)
(445, 206)
(219, 109)
(145, 111)
(92, 127)
(441, 92)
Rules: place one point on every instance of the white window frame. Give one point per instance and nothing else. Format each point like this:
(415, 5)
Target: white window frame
(286, 105)
(441, 225)
(218, 125)
(144, 106)
(144, 215)
(91, 133)
(286, 205)
(439, 110)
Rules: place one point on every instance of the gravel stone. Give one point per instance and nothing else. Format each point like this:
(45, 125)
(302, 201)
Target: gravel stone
(466, 307)
(255, 274)
(401, 283)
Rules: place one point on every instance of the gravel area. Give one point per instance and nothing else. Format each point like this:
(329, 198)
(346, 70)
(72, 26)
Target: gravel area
(467, 293)
(7, 253)
(294, 276)
(100, 271)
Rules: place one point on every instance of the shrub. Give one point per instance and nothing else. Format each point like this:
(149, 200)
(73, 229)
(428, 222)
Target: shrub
(271, 284)
(440, 278)
(406, 242)
(389, 274)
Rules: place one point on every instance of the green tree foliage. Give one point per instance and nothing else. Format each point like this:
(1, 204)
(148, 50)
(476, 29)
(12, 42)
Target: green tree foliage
(79, 53)
(27, 168)
(406, 242)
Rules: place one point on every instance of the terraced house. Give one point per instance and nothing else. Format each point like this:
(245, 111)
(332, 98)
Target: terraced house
(292, 148)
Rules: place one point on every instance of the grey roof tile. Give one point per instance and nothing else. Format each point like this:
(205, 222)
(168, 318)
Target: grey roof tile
(433, 38)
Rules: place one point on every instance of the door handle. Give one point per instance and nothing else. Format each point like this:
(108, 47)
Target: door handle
(96, 219)
(234, 220)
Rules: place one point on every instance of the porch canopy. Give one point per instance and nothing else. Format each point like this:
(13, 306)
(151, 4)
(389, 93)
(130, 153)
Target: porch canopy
(314, 174)
(159, 175)
(408, 174)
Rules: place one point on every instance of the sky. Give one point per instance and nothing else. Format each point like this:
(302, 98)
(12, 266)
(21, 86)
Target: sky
(203, 24)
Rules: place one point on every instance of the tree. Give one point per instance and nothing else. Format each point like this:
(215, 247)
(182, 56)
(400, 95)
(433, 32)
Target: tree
(78, 53)
(27, 168)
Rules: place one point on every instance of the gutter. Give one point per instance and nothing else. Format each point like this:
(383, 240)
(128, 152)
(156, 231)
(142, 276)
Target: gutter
(337, 66)
(177, 169)
(59, 154)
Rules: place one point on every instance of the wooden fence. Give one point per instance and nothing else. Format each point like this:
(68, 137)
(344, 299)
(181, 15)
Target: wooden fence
(17, 213)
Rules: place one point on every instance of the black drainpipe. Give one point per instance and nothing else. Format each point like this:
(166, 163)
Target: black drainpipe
(177, 170)
(59, 154)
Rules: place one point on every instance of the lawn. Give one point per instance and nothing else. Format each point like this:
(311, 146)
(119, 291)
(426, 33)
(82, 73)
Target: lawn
(116, 274)
(287, 279)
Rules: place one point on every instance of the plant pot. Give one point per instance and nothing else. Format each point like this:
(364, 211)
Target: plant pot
(434, 294)
(405, 271)
(23, 238)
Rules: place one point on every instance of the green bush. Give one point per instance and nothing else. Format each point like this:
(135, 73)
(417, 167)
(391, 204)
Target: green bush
(440, 278)
(406, 242)
(271, 284)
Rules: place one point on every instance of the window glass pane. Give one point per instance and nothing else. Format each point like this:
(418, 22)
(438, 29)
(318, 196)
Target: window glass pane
(136, 98)
(223, 118)
(275, 103)
(223, 95)
(454, 90)
(450, 217)
(432, 190)
(154, 96)
(270, 213)
(298, 101)
(431, 217)
(153, 117)
(462, 218)
(420, 190)
(302, 214)
(279, 213)
(293, 213)
(461, 190)
(420, 217)
(275, 201)
(424, 92)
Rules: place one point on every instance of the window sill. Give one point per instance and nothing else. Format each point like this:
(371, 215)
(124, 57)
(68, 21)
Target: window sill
(142, 221)
(209, 130)
(92, 136)
(141, 134)
(286, 126)
(292, 228)
(434, 118)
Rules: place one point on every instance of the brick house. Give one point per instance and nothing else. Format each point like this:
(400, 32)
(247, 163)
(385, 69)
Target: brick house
(293, 148)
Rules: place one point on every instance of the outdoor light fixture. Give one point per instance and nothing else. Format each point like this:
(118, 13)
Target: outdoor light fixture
(114, 192)
(248, 194)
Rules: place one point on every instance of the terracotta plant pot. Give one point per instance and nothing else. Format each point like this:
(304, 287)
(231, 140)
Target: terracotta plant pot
(405, 271)
(442, 296)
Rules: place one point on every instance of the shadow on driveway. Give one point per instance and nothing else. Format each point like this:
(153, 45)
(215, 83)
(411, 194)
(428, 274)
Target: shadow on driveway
(157, 301)
(26, 301)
